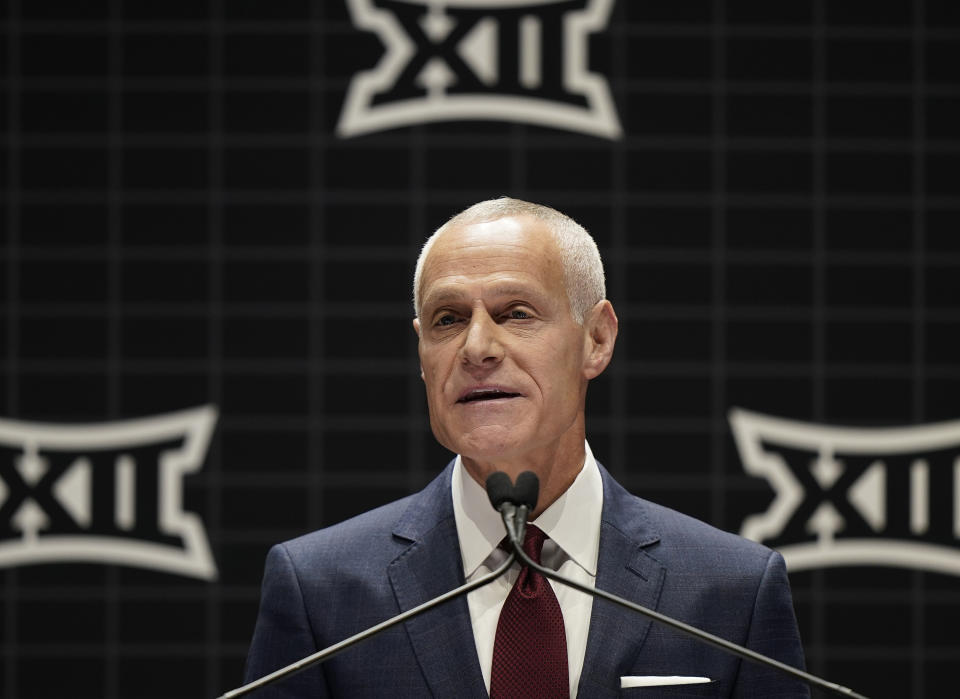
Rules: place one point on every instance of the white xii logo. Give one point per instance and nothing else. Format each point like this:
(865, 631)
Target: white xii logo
(525, 61)
(104, 492)
(855, 496)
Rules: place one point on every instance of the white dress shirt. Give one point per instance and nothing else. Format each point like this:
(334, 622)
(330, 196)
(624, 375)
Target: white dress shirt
(572, 524)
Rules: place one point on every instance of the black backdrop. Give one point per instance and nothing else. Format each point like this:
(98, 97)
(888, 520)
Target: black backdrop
(183, 226)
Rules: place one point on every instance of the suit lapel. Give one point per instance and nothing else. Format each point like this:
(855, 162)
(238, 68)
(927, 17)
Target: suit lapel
(626, 570)
(442, 638)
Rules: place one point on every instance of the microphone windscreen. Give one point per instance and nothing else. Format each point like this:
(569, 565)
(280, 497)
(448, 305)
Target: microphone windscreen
(499, 489)
(527, 490)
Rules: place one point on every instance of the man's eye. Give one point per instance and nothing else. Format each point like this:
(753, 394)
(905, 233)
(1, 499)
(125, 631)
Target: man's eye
(518, 314)
(446, 320)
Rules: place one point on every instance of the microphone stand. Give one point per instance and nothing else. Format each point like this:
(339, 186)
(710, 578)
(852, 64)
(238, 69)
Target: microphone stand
(331, 651)
(704, 636)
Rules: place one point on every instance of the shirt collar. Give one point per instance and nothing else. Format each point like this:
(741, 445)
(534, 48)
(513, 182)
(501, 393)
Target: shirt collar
(572, 521)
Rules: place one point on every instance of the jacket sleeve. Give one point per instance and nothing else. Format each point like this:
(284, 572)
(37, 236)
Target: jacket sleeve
(773, 632)
(283, 634)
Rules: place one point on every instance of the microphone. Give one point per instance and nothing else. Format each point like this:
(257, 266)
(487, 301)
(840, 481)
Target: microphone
(499, 489)
(527, 489)
(531, 484)
(513, 502)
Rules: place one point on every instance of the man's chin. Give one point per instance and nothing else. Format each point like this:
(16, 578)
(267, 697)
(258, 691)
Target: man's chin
(488, 453)
(483, 458)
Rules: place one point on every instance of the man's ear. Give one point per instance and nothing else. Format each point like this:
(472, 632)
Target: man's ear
(601, 326)
(416, 329)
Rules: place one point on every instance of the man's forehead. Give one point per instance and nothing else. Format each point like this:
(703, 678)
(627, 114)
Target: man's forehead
(459, 290)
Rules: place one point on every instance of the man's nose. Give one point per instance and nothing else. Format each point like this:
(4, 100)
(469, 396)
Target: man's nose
(481, 345)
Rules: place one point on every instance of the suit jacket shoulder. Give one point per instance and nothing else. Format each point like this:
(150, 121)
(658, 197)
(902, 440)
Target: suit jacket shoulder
(326, 586)
(694, 572)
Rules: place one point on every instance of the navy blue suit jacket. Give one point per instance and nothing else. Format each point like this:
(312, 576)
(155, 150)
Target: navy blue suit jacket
(325, 586)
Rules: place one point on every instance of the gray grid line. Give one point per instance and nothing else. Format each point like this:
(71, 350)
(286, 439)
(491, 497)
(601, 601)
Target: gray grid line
(12, 577)
(635, 311)
(420, 228)
(867, 202)
(818, 385)
(323, 27)
(653, 257)
(619, 457)
(115, 145)
(38, 141)
(316, 474)
(718, 334)
(651, 367)
(918, 591)
(213, 480)
(338, 85)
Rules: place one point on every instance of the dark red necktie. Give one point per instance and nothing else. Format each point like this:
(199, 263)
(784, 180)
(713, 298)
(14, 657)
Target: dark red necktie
(530, 648)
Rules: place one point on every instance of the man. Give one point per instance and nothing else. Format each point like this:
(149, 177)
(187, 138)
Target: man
(513, 323)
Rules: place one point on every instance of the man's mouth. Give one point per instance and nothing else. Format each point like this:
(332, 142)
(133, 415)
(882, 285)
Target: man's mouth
(482, 394)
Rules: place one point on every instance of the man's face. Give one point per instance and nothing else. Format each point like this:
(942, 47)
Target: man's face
(501, 355)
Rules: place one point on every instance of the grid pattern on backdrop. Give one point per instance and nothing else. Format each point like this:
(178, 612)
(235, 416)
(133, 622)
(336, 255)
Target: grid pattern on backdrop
(182, 227)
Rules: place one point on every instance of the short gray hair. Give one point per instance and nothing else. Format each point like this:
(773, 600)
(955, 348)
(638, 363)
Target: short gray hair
(582, 266)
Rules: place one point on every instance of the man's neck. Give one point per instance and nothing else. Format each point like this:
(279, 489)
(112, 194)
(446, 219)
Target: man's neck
(556, 468)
